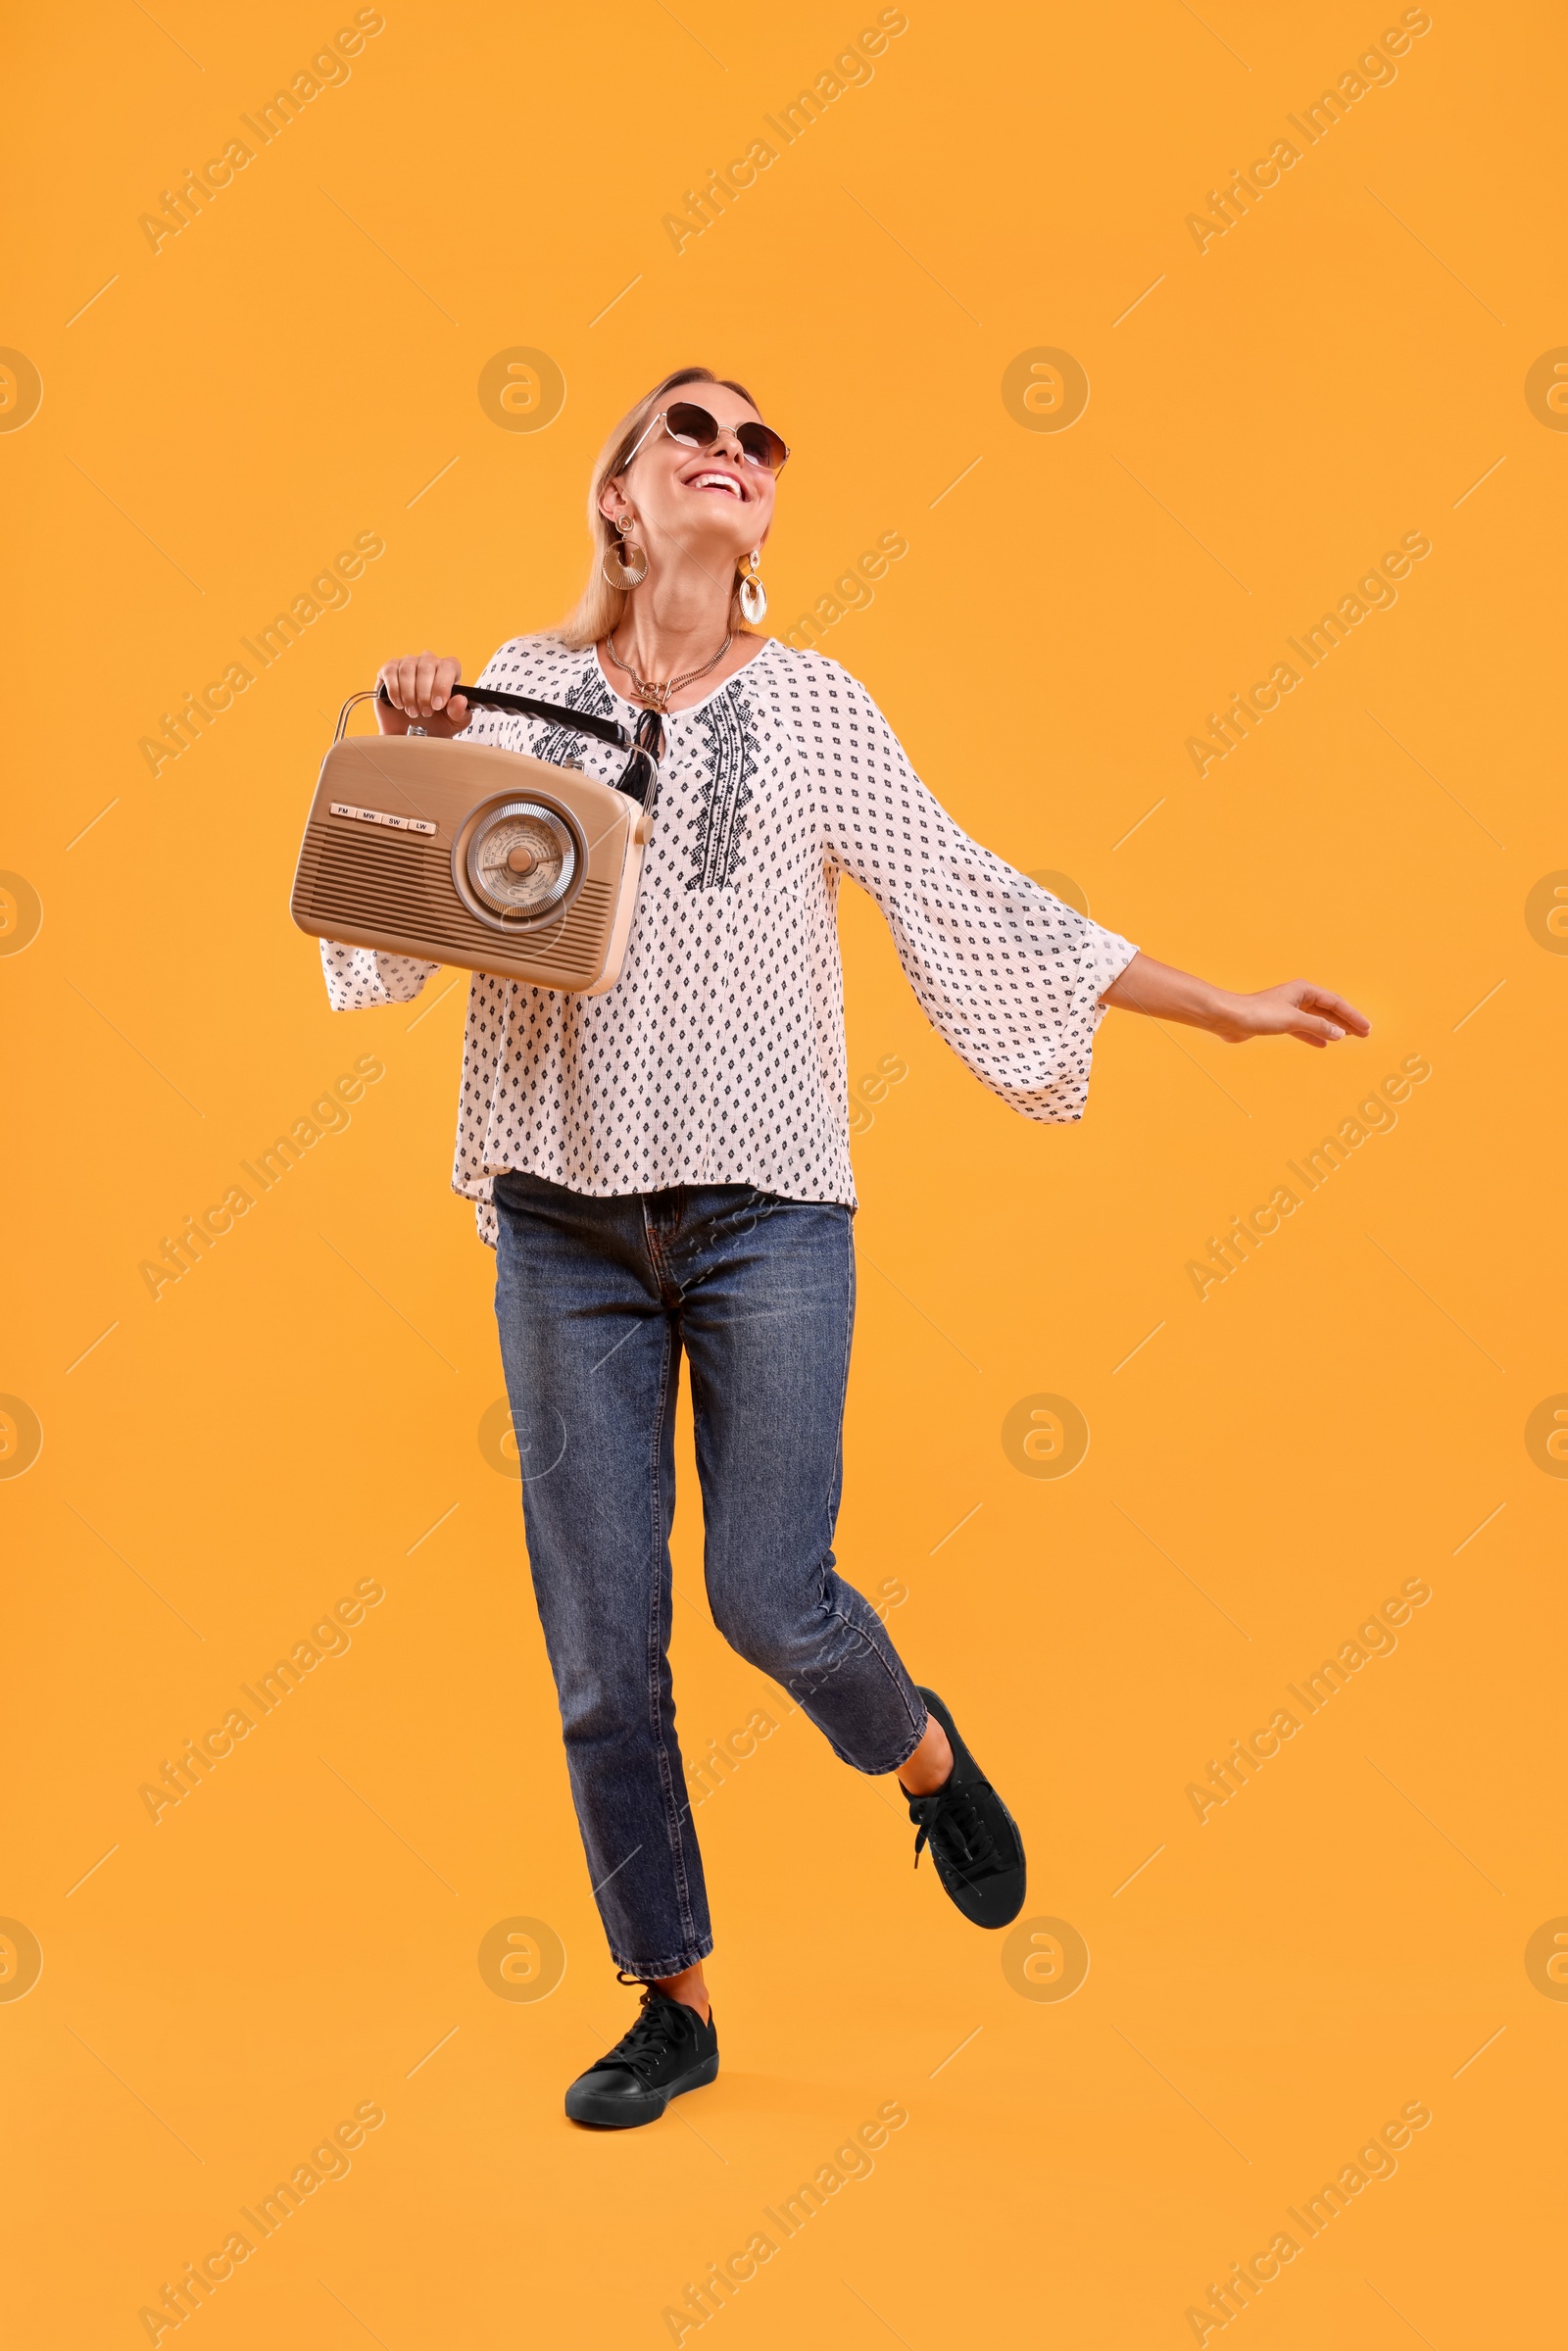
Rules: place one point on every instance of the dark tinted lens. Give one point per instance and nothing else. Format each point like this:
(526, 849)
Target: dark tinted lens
(686, 422)
(761, 445)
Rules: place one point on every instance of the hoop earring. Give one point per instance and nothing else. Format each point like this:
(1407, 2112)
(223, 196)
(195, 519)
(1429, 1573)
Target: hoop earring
(752, 594)
(616, 569)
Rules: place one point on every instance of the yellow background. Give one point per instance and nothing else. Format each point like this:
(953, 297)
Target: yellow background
(297, 1414)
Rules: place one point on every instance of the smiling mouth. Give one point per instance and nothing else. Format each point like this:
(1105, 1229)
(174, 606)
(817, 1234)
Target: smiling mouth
(719, 481)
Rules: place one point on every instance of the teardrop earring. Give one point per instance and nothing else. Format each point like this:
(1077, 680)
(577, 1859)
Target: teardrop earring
(625, 565)
(752, 594)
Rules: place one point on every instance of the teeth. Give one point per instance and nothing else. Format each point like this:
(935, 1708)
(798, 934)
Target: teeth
(723, 481)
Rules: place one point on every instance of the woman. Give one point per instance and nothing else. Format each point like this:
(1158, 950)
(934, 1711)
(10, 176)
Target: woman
(664, 1169)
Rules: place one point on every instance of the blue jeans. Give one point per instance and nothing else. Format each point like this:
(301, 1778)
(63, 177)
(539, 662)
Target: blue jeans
(596, 1300)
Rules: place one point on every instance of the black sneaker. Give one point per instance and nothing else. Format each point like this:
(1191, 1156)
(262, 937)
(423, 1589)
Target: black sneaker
(973, 1837)
(667, 2051)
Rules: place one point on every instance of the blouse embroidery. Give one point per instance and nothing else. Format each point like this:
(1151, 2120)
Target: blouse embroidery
(730, 763)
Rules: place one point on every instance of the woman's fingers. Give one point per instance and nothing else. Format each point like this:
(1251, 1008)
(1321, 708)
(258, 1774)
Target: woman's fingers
(1323, 999)
(1316, 1015)
(424, 669)
(389, 710)
(420, 685)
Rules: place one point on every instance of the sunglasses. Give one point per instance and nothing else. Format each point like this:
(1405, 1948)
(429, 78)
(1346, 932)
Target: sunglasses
(694, 428)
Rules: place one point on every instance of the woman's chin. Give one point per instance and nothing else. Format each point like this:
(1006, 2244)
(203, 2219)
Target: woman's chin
(718, 549)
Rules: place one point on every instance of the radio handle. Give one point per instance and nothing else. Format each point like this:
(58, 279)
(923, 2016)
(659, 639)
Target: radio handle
(636, 779)
(524, 706)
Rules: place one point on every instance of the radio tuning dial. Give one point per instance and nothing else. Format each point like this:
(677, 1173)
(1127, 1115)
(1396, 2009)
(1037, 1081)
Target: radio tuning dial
(522, 860)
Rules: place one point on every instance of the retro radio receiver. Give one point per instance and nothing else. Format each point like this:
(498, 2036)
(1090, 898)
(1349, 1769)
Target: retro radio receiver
(463, 853)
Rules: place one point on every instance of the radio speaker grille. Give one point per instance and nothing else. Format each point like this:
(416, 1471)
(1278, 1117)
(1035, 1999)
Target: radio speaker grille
(400, 885)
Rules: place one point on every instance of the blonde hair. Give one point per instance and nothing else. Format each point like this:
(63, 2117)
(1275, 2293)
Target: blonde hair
(599, 609)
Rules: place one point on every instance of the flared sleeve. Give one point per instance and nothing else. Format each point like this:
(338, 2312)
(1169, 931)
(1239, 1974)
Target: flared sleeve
(1009, 975)
(357, 976)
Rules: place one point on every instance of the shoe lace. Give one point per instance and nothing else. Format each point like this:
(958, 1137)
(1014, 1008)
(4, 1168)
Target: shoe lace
(659, 2027)
(952, 1821)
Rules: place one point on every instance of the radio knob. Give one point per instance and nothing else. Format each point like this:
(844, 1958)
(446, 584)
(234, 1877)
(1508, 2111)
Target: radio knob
(520, 858)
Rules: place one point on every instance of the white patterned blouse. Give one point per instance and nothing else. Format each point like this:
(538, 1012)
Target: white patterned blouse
(718, 1056)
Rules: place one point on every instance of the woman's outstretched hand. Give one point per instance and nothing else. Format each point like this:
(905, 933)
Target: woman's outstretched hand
(1294, 1008)
(420, 689)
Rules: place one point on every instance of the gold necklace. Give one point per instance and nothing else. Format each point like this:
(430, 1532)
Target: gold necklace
(656, 697)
